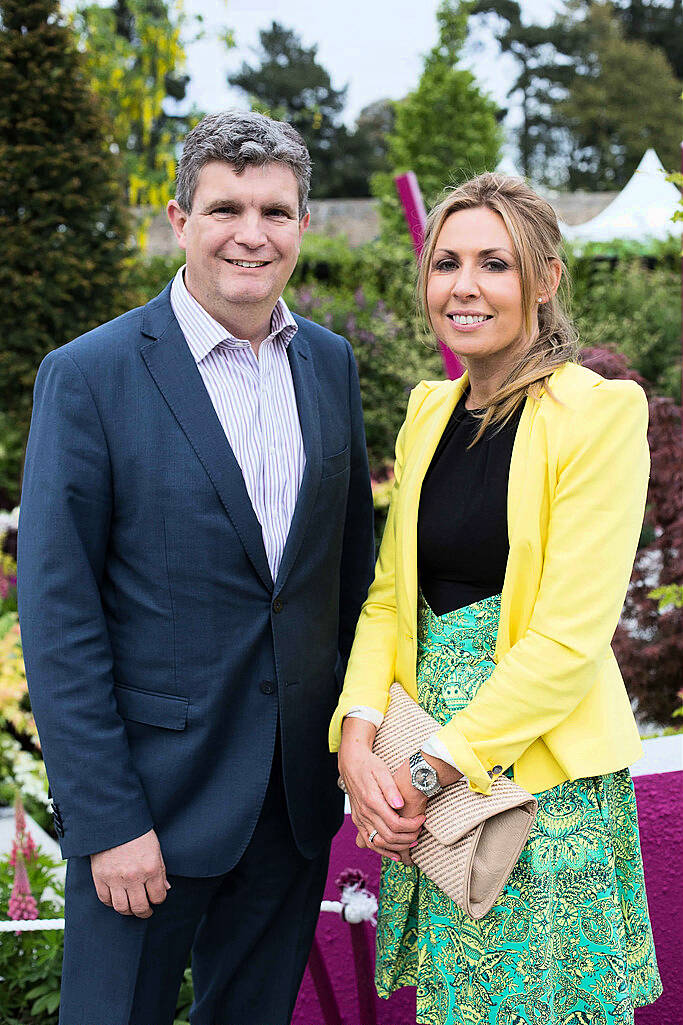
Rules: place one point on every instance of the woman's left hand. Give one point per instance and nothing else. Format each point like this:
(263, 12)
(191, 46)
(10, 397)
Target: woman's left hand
(414, 806)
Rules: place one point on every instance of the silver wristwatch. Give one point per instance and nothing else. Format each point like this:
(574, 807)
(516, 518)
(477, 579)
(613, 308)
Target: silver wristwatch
(423, 776)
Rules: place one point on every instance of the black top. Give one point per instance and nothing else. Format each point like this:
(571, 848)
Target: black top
(462, 534)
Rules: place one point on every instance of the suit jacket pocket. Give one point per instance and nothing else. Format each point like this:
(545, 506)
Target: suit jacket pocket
(336, 463)
(151, 708)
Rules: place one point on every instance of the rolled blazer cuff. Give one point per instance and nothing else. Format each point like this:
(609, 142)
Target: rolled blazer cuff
(463, 755)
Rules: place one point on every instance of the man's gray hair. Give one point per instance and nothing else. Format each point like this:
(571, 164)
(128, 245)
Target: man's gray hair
(240, 138)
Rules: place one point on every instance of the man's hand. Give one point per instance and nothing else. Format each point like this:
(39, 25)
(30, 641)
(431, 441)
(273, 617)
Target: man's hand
(132, 877)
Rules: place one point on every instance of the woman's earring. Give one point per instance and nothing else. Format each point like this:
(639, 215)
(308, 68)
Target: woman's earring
(539, 300)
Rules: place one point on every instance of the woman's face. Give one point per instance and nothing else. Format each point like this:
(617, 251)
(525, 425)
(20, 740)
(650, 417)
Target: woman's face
(473, 288)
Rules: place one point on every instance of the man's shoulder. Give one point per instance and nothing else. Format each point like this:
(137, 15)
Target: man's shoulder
(321, 337)
(114, 338)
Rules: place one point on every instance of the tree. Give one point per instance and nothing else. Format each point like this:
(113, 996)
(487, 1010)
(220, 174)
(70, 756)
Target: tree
(62, 219)
(135, 59)
(288, 83)
(586, 116)
(623, 98)
(659, 24)
(445, 129)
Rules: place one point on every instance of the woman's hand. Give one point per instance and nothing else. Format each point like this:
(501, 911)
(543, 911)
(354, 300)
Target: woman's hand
(376, 801)
(414, 801)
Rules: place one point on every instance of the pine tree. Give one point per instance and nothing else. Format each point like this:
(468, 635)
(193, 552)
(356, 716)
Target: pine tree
(445, 130)
(61, 215)
(291, 85)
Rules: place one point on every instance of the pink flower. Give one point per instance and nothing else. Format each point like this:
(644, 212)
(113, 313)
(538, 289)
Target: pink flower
(23, 841)
(22, 903)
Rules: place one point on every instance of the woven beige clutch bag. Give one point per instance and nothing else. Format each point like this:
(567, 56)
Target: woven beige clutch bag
(470, 842)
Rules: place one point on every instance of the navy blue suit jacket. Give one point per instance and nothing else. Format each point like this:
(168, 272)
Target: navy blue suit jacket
(159, 652)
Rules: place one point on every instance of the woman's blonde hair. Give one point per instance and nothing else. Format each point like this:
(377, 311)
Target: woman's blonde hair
(532, 225)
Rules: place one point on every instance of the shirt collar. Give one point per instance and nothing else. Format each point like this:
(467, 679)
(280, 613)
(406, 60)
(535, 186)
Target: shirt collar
(203, 333)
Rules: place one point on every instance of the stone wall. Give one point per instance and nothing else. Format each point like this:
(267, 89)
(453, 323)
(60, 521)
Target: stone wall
(358, 219)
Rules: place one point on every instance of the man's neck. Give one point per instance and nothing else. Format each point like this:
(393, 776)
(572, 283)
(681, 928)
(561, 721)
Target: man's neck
(246, 321)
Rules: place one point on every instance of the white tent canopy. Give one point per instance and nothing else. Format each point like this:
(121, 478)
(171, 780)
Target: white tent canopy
(642, 211)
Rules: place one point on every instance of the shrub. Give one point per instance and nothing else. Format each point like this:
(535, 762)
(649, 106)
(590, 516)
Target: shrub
(390, 362)
(630, 302)
(649, 640)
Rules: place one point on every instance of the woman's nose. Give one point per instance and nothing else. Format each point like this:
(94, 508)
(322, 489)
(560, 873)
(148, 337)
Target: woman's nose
(464, 284)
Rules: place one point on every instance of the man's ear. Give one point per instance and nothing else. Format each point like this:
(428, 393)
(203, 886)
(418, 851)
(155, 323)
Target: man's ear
(178, 218)
(304, 222)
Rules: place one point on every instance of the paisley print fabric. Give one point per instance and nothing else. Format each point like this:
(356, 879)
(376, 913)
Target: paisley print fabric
(568, 942)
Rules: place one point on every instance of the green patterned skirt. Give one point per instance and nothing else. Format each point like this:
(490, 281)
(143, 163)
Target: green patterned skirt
(569, 941)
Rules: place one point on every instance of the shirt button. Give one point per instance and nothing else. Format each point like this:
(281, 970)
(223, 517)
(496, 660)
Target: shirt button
(496, 770)
(278, 605)
(267, 687)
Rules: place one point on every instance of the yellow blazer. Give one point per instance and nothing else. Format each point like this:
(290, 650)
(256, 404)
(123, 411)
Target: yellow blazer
(555, 706)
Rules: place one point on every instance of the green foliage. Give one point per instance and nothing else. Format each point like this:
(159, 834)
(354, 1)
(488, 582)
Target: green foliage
(11, 456)
(611, 117)
(390, 360)
(31, 963)
(185, 998)
(23, 771)
(61, 216)
(445, 130)
(598, 86)
(633, 306)
(288, 83)
(660, 24)
(669, 596)
(135, 61)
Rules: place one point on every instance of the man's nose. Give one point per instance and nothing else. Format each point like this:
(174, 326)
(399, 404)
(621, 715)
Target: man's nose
(249, 232)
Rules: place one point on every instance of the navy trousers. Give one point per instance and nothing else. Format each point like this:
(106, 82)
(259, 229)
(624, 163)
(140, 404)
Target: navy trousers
(249, 931)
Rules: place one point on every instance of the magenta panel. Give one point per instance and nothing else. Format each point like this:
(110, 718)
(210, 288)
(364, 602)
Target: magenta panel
(660, 801)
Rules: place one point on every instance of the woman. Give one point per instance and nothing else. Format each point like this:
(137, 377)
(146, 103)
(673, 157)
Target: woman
(514, 520)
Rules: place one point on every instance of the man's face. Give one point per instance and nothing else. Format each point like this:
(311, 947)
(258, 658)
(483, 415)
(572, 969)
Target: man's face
(242, 238)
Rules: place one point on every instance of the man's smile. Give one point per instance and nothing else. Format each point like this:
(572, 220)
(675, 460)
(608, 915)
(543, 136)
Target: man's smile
(249, 264)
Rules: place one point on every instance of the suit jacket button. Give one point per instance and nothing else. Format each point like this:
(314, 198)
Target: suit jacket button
(267, 687)
(278, 605)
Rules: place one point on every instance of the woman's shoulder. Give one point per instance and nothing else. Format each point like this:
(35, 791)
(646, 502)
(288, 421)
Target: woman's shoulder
(577, 389)
(427, 396)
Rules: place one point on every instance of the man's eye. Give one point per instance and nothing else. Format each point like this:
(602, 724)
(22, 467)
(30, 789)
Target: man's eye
(275, 212)
(223, 210)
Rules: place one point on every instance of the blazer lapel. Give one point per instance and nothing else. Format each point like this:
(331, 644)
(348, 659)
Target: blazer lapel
(172, 366)
(306, 392)
(412, 486)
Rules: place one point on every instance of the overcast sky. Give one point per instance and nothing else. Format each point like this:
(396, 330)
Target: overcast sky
(375, 47)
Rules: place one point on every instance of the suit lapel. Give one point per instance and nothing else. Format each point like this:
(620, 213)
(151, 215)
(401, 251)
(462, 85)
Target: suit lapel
(306, 392)
(172, 366)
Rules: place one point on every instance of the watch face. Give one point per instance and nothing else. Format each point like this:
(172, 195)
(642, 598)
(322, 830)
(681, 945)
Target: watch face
(425, 776)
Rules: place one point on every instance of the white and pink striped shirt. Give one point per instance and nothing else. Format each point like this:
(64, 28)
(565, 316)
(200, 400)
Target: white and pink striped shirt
(255, 402)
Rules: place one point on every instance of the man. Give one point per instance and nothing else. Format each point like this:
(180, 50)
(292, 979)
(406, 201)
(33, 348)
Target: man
(195, 544)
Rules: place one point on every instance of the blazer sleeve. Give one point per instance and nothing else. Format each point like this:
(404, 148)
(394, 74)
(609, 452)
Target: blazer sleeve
(358, 544)
(593, 530)
(371, 669)
(66, 509)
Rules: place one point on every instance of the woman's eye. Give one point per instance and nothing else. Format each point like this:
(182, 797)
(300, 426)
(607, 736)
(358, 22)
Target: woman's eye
(496, 265)
(444, 265)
